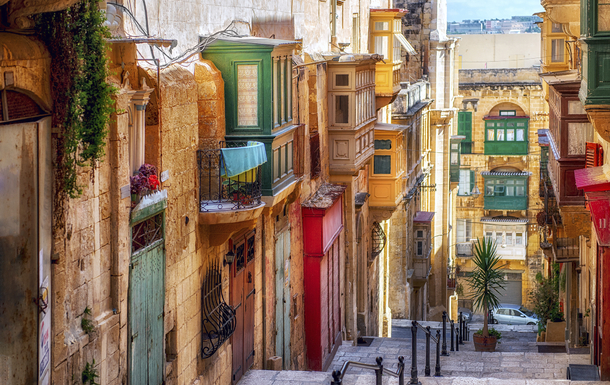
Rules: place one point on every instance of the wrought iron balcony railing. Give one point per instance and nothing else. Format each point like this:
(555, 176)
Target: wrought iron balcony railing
(217, 192)
(463, 249)
(566, 249)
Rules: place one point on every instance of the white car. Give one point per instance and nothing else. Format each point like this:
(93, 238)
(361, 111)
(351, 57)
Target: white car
(514, 315)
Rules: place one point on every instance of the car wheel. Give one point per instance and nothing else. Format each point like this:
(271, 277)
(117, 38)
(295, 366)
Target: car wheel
(531, 323)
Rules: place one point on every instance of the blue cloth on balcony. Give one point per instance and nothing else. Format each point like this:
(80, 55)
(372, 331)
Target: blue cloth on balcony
(238, 160)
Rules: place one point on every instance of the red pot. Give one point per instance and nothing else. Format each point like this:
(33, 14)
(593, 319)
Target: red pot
(484, 344)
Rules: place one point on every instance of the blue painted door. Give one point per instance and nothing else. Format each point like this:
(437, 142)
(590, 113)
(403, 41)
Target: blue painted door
(146, 301)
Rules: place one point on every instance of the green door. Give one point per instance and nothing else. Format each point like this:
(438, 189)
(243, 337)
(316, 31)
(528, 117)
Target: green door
(282, 297)
(146, 300)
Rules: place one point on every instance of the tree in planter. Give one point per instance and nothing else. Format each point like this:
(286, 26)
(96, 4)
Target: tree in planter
(545, 297)
(486, 280)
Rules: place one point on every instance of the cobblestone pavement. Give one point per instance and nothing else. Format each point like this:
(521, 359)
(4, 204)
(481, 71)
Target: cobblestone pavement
(516, 362)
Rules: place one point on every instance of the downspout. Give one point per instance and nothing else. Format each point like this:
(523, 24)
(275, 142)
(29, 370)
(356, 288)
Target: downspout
(334, 47)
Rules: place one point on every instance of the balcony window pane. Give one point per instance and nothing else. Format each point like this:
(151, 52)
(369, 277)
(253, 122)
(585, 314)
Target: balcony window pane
(464, 186)
(510, 191)
(489, 189)
(247, 95)
(381, 45)
(510, 134)
(488, 236)
(396, 51)
(500, 135)
(489, 124)
(382, 164)
(341, 108)
(420, 248)
(499, 191)
(578, 135)
(520, 191)
(509, 239)
(603, 16)
(342, 80)
(498, 238)
(556, 28)
(382, 26)
(455, 158)
(490, 135)
(520, 134)
(519, 238)
(557, 48)
(383, 144)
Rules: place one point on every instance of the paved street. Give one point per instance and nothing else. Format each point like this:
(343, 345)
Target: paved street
(516, 361)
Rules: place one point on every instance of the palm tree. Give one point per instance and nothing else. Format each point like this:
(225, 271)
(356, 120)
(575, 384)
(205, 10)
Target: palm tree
(486, 280)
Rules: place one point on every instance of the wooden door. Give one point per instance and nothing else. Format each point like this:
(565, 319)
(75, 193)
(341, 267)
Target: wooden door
(242, 300)
(25, 238)
(282, 297)
(146, 302)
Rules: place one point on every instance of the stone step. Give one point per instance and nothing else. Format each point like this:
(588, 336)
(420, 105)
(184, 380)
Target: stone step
(268, 377)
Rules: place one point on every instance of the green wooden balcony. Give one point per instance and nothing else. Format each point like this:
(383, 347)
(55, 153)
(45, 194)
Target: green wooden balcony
(505, 190)
(506, 136)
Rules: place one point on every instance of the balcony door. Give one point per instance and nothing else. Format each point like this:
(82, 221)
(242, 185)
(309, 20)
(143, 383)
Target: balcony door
(242, 301)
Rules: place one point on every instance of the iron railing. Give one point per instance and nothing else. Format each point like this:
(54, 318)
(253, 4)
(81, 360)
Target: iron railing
(463, 249)
(437, 341)
(337, 375)
(218, 318)
(218, 192)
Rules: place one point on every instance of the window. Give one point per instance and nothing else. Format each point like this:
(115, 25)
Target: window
(499, 238)
(466, 183)
(520, 134)
(396, 49)
(420, 248)
(556, 28)
(510, 134)
(381, 45)
(491, 135)
(578, 135)
(500, 135)
(505, 187)
(519, 239)
(464, 230)
(341, 108)
(356, 33)
(488, 236)
(504, 130)
(557, 54)
(465, 129)
(382, 26)
(509, 239)
(342, 80)
(247, 95)
(508, 113)
(420, 233)
(282, 90)
(385, 144)
(382, 164)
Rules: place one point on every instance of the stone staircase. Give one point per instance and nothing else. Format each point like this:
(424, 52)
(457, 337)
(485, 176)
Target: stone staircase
(516, 362)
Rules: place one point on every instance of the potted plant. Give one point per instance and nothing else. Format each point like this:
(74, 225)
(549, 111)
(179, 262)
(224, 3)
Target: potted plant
(486, 282)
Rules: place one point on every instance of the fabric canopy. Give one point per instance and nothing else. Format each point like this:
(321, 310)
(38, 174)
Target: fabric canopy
(238, 160)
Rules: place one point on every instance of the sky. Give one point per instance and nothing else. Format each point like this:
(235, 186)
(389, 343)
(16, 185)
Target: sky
(458, 10)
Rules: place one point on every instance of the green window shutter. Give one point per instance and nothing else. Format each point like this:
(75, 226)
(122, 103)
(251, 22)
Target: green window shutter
(471, 180)
(465, 129)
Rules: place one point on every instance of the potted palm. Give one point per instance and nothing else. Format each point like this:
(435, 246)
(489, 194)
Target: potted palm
(486, 282)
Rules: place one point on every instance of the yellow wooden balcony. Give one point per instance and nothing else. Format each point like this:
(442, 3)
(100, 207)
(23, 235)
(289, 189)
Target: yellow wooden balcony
(387, 40)
(386, 180)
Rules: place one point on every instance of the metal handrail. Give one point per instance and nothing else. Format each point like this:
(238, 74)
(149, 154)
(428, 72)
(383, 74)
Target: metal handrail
(337, 375)
(437, 340)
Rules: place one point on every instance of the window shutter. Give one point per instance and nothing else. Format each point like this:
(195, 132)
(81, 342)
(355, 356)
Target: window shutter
(471, 181)
(594, 155)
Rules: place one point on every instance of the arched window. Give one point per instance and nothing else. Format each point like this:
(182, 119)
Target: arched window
(15, 106)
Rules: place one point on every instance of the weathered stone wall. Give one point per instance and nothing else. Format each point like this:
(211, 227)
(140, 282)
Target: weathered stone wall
(499, 51)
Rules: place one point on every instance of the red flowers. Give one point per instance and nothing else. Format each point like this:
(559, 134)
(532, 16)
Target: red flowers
(153, 182)
(145, 181)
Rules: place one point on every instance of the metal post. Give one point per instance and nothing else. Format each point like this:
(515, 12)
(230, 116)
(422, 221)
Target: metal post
(466, 333)
(414, 380)
(437, 368)
(457, 342)
(379, 371)
(336, 380)
(401, 370)
(444, 352)
(461, 334)
(427, 368)
(452, 335)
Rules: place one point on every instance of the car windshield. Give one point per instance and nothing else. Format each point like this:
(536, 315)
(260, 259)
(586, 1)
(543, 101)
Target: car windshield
(529, 313)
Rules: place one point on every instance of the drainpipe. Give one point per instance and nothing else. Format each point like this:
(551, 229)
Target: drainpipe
(334, 47)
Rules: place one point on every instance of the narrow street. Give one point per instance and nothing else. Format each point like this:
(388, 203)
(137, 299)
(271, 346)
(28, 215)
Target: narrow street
(516, 361)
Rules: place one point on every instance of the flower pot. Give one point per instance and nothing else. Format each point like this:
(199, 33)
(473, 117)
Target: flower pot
(484, 344)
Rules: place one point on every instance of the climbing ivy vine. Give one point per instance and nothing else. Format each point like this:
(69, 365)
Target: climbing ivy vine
(82, 98)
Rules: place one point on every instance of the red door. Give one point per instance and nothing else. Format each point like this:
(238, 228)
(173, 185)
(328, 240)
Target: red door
(242, 300)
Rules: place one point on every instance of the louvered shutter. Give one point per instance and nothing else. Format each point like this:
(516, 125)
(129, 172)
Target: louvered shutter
(594, 155)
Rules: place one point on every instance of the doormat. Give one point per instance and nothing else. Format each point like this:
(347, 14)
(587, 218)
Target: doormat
(577, 372)
(363, 341)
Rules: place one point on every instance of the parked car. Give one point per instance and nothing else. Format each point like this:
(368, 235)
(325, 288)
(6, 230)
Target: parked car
(514, 315)
(466, 313)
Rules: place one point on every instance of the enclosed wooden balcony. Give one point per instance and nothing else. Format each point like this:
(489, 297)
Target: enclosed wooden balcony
(386, 181)
(387, 40)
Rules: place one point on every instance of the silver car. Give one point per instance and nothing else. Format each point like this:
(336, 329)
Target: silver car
(514, 315)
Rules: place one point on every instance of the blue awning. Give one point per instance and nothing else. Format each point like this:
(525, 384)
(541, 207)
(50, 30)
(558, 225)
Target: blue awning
(237, 160)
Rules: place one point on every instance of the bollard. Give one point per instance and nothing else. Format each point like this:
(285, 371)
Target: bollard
(414, 380)
(427, 368)
(461, 331)
(336, 378)
(379, 371)
(437, 368)
(452, 333)
(401, 370)
(457, 342)
(466, 333)
(444, 352)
